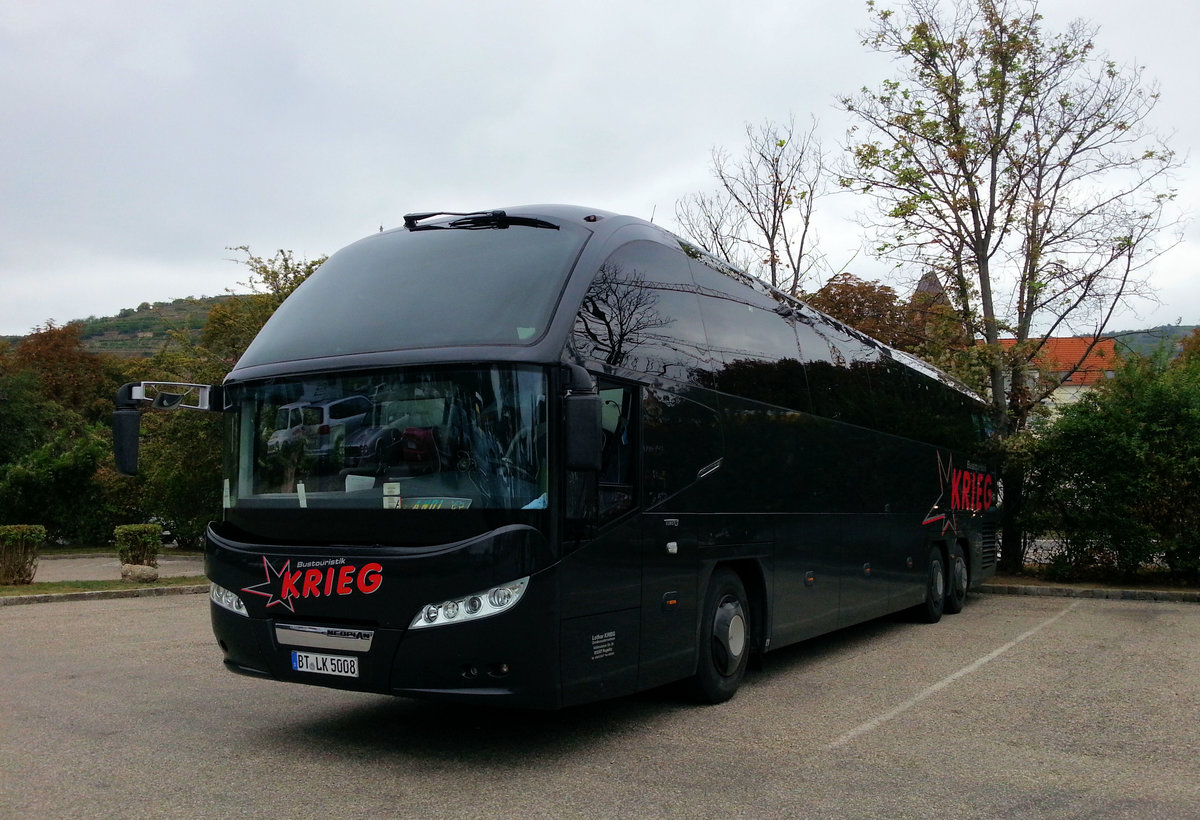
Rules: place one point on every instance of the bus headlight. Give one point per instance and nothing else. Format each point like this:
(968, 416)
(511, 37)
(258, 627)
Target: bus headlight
(471, 607)
(227, 600)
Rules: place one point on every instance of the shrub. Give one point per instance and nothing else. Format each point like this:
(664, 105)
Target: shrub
(20, 546)
(1114, 477)
(138, 543)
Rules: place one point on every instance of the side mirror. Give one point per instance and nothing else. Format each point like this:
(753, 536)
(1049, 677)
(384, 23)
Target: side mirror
(168, 401)
(126, 426)
(163, 396)
(584, 436)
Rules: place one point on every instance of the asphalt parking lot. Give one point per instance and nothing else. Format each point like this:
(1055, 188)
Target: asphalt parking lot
(1018, 707)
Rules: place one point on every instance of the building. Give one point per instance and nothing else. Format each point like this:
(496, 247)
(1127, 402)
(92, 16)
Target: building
(1068, 361)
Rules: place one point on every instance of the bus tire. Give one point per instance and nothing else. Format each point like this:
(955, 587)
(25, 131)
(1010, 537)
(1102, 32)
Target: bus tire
(958, 580)
(930, 612)
(724, 639)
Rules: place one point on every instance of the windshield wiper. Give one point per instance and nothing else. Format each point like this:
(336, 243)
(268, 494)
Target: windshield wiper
(474, 221)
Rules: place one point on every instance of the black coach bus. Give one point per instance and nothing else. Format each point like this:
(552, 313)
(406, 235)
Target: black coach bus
(547, 455)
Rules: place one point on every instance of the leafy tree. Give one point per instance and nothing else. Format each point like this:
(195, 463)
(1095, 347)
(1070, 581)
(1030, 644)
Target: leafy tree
(1020, 168)
(233, 324)
(52, 457)
(69, 375)
(26, 419)
(871, 307)
(181, 472)
(1189, 347)
(54, 485)
(760, 217)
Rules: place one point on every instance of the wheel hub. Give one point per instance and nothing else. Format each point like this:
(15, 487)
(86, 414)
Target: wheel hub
(729, 636)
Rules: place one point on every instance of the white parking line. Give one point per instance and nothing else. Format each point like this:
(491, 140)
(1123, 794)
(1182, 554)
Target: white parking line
(876, 722)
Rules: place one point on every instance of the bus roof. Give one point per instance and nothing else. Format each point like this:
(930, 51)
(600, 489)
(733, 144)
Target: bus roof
(492, 285)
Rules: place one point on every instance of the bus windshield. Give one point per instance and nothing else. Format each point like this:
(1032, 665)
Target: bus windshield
(446, 438)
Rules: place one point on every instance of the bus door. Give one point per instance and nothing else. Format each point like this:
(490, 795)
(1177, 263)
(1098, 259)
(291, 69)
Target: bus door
(602, 577)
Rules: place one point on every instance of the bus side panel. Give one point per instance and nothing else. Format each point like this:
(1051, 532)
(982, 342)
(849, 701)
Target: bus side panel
(910, 546)
(600, 656)
(833, 562)
(807, 578)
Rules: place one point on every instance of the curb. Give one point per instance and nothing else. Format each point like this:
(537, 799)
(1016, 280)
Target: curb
(58, 556)
(103, 595)
(1172, 596)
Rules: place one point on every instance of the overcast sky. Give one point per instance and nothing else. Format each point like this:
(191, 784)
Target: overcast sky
(141, 139)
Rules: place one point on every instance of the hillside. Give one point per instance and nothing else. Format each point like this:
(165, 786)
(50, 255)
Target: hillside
(141, 331)
(1146, 342)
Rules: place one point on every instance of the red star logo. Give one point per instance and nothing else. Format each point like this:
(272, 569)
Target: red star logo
(945, 476)
(280, 586)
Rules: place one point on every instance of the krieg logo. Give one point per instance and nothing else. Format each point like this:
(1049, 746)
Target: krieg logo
(971, 490)
(314, 579)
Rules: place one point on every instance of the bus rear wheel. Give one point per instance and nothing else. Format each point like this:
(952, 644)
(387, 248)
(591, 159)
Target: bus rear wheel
(958, 582)
(724, 639)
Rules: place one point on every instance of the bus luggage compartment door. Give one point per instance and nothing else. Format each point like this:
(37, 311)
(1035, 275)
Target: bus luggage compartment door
(670, 592)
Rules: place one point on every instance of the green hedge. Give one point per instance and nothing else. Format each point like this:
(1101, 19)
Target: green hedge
(138, 543)
(20, 546)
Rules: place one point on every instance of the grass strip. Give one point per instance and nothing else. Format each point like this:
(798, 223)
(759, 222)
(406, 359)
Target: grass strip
(86, 549)
(52, 587)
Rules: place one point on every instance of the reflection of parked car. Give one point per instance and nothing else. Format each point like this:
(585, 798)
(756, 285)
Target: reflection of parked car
(386, 433)
(319, 425)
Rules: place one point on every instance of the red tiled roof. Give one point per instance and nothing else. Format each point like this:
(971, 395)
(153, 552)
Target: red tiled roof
(1060, 354)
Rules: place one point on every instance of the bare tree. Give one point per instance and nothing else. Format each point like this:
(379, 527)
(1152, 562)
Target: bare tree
(716, 223)
(761, 216)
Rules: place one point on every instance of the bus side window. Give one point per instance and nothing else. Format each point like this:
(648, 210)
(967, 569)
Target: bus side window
(681, 438)
(741, 324)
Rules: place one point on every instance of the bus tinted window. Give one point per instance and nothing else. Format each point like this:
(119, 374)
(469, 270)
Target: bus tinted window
(682, 438)
(838, 365)
(640, 313)
(741, 322)
(422, 289)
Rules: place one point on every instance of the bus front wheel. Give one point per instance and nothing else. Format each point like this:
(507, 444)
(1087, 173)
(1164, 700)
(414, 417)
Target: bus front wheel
(724, 639)
(930, 612)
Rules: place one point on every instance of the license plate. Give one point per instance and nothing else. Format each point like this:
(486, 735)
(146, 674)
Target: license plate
(341, 665)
